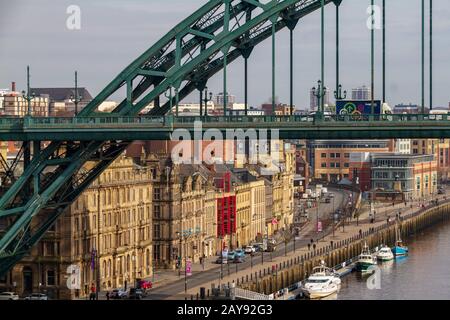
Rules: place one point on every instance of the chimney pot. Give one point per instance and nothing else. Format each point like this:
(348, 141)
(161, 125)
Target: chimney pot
(13, 86)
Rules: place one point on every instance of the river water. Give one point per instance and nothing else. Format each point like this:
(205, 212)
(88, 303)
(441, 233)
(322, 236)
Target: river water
(424, 274)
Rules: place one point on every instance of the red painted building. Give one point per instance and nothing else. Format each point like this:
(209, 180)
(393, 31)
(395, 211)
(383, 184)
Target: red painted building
(226, 208)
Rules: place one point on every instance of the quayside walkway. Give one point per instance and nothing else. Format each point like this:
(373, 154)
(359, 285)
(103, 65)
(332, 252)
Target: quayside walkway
(353, 232)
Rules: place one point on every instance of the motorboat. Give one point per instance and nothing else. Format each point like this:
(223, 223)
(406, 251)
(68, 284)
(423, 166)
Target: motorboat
(400, 249)
(366, 260)
(385, 254)
(322, 283)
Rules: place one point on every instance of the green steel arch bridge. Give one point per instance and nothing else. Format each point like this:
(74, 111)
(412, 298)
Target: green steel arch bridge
(56, 150)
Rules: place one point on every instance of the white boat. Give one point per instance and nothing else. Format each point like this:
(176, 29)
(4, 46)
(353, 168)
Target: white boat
(385, 254)
(366, 260)
(322, 283)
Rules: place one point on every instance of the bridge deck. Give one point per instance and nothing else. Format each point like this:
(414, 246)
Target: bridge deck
(160, 128)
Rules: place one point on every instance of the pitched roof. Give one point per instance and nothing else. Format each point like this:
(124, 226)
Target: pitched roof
(61, 94)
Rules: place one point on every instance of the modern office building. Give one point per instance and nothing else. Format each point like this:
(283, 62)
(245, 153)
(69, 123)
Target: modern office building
(403, 177)
(330, 159)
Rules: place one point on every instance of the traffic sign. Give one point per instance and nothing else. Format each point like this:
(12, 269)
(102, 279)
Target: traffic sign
(189, 268)
(319, 226)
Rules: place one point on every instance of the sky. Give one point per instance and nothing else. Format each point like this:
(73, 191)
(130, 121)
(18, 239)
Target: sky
(115, 32)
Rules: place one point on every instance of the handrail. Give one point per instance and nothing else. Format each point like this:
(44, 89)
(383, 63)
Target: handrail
(37, 122)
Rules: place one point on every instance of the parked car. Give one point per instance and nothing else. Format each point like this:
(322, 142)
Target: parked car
(240, 253)
(441, 191)
(36, 296)
(327, 200)
(146, 285)
(134, 294)
(250, 249)
(118, 294)
(262, 246)
(220, 260)
(8, 296)
(330, 195)
(231, 255)
(141, 292)
(258, 247)
(239, 260)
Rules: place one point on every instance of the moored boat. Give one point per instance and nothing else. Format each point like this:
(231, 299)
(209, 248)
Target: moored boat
(385, 254)
(365, 260)
(399, 249)
(323, 282)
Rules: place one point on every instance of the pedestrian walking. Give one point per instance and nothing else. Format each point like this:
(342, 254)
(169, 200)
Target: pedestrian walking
(92, 295)
(107, 295)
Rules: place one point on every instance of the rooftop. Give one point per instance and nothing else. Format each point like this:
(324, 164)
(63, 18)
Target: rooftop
(62, 94)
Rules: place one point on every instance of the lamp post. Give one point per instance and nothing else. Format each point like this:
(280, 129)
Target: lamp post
(76, 98)
(221, 255)
(317, 214)
(179, 253)
(206, 100)
(295, 235)
(133, 259)
(185, 266)
(338, 93)
(285, 246)
(231, 233)
(319, 93)
(28, 96)
(354, 209)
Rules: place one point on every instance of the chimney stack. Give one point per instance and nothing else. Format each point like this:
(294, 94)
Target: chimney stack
(13, 86)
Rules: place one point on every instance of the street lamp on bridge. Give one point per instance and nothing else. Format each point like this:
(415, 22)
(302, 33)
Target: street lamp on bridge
(319, 93)
(75, 98)
(208, 98)
(28, 96)
(339, 95)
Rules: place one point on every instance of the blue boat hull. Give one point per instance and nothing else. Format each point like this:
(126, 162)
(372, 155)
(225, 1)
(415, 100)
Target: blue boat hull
(400, 251)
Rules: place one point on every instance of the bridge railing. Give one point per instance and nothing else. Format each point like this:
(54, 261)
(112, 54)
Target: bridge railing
(314, 118)
(7, 123)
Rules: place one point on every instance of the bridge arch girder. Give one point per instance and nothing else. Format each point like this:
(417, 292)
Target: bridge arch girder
(190, 53)
(197, 44)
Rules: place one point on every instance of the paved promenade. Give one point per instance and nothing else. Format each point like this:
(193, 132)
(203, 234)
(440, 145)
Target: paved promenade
(383, 212)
